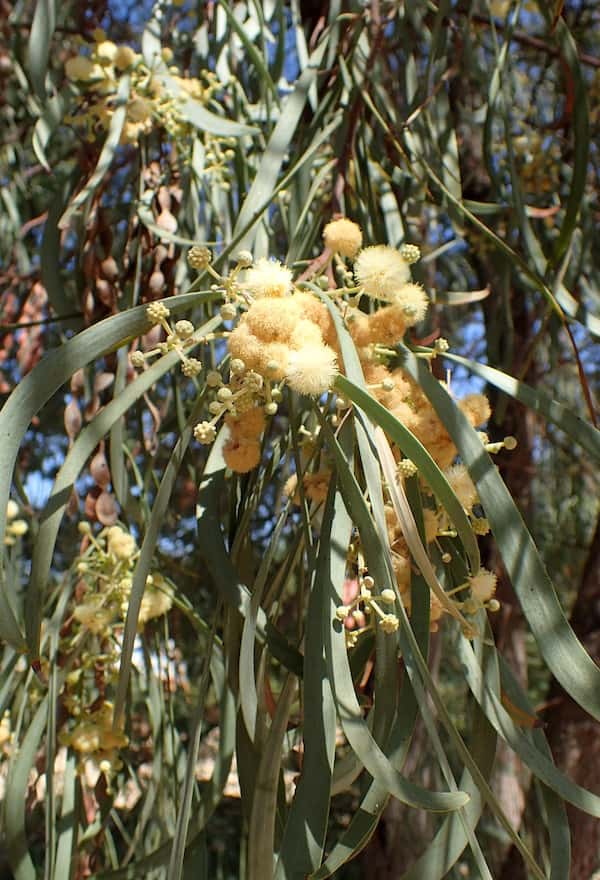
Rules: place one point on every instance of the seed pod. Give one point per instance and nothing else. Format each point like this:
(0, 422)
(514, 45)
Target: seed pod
(99, 469)
(156, 283)
(109, 269)
(106, 509)
(73, 419)
(166, 221)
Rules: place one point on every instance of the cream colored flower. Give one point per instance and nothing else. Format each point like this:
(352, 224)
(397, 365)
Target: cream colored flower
(124, 57)
(413, 301)
(18, 528)
(311, 369)
(12, 509)
(483, 585)
(462, 485)
(139, 110)
(5, 730)
(106, 51)
(81, 68)
(389, 623)
(156, 601)
(120, 543)
(268, 278)
(343, 236)
(157, 312)
(94, 617)
(381, 271)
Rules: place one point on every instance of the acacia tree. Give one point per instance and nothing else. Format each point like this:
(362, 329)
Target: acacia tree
(235, 244)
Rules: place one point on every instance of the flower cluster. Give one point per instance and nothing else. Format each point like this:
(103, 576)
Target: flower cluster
(15, 526)
(363, 611)
(280, 339)
(91, 641)
(97, 71)
(179, 338)
(94, 738)
(105, 576)
(284, 336)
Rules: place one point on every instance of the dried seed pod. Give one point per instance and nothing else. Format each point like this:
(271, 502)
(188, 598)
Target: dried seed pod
(99, 469)
(164, 198)
(106, 509)
(166, 221)
(77, 382)
(109, 269)
(89, 507)
(156, 283)
(105, 292)
(160, 255)
(73, 419)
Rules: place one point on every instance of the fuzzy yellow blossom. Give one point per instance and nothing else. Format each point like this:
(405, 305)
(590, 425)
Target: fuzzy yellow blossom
(413, 301)
(381, 271)
(12, 509)
(316, 485)
(476, 407)
(268, 278)
(156, 601)
(139, 110)
(241, 455)
(343, 237)
(431, 523)
(273, 321)
(387, 325)
(270, 331)
(305, 333)
(311, 369)
(18, 528)
(120, 543)
(95, 733)
(435, 612)
(124, 57)
(462, 486)
(401, 566)
(483, 585)
(93, 617)
(249, 424)
(312, 309)
(5, 731)
(106, 51)
(80, 68)
(290, 487)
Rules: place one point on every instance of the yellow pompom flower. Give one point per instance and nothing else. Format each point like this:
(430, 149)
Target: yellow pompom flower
(413, 301)
(241, 455)
(156, 601)
(12, 509)
(120, 543)
(476, 407)
(80, 68)
(311, 369)
(268, 278)
(93, 617)
(381, 271)
(248, 425)
(139, 110)
(462, 485)
(124, 57)
(483, 585)
(343, 237)
(106, 51)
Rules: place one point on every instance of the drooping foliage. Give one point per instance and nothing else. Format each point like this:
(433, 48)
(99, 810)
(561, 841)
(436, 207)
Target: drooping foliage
(276, 279)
